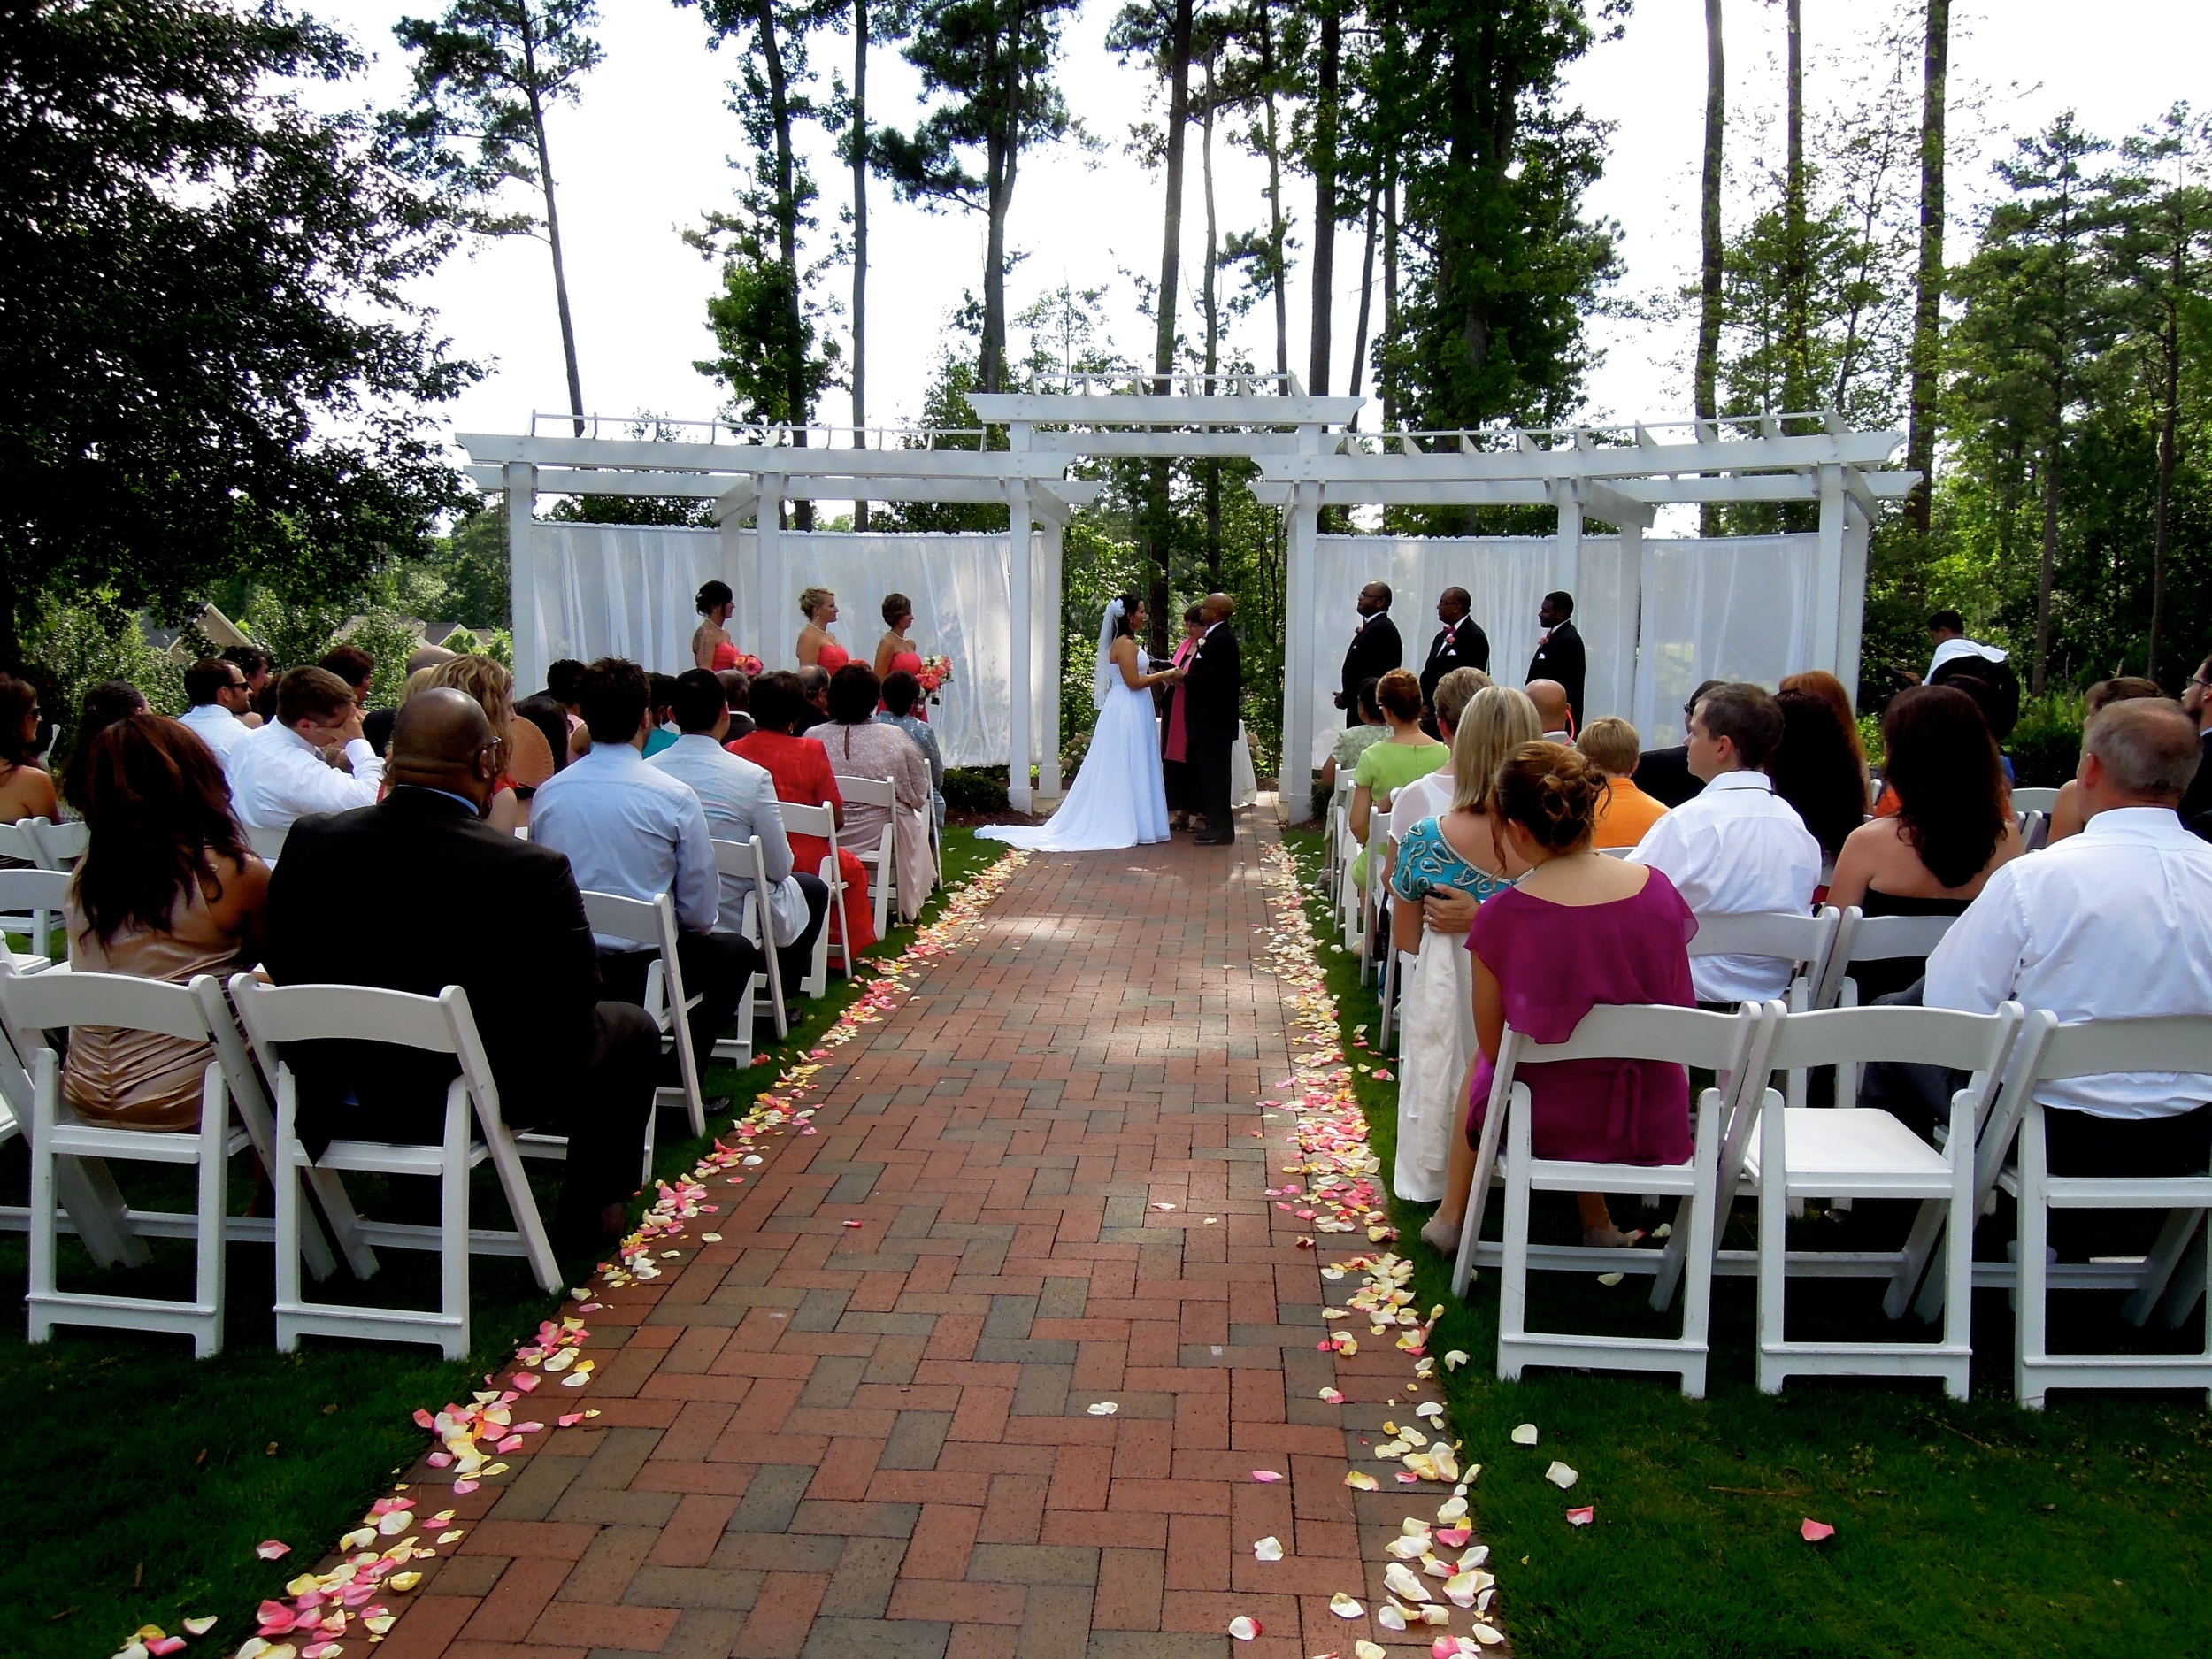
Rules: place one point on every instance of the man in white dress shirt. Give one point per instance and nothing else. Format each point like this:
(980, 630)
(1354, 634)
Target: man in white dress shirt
(631, 829)
(739, 802)
(2115, 923)
(1737, 849)
(278, 774)
(219, 694)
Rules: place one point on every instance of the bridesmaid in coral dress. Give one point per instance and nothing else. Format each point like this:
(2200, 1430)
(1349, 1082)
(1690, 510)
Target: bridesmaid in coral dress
(815, 648)
(895, 651)
(710, 646)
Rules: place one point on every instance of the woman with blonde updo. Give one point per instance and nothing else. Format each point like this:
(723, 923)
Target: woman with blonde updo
(1578, 931)
(817, 648)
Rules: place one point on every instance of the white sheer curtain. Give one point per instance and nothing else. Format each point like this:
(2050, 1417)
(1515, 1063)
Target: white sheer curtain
(628, 591)
(1738, 608)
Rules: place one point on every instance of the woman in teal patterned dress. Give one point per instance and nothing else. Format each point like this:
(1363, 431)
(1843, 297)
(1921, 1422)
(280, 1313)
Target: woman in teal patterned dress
(1458, 854)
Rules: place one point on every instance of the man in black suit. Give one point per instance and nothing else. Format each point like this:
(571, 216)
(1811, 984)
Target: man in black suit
(367, 897)
(1213, 691)
(2196, 804)
(1374, 651)
(1459, 643)
(1664, 774)
(1559, 653)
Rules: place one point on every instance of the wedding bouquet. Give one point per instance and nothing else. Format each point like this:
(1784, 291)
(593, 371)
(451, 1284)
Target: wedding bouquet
(935, 676)
(750, 665)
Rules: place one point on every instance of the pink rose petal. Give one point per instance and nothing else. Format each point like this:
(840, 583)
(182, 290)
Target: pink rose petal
(1453, 1536)
(272, 1549)
(1270, 1476)
(462, 1488)
(525, 1380)
(440, 1460)
(512, 1443)
(1582, 1517)
(166, 1645)
(1244, 1629)
(1813, 1531)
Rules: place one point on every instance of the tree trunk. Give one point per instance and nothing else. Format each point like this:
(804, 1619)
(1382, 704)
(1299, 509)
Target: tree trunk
(552, 222)
(1278, 276)
(1366, 302)
(1323, 274)
(2169, 414)
(860, 241)
(1706, 392)
(1163, 337)
(1798, 392)
(1213, 337)
(1385, 379)
(794, 398)
(1927, 322)
(1004, 150)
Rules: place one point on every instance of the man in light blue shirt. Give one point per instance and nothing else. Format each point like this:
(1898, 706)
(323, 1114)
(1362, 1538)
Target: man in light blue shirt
(739, 802)
(631, 829)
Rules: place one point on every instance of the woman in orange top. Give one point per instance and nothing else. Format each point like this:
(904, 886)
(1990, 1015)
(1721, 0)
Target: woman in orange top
(801, 768)
(1612, 746)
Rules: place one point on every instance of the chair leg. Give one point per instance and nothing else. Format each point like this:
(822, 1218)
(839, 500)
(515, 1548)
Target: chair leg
(1513, 1277)
(43, 1225)
(290, 1159)
(1697, 1298)
(2158, 1267)
(207, 1341)
(337, 1208)
(1927, 1227)
(1958, 1314)
(1477, 1200)
(1774, 1183)
(453, 1228)
(2187, 1288)
(2030, 1345)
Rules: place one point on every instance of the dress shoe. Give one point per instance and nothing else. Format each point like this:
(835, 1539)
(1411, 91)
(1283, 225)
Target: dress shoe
(1212, 840)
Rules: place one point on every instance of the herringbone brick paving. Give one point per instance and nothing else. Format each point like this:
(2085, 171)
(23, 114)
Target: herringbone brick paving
(874, 1441)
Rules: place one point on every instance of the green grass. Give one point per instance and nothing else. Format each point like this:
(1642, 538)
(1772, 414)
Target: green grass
(1963, 1529)
(137, 1480)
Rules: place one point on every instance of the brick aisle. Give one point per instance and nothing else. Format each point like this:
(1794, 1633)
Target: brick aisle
(874, 1441)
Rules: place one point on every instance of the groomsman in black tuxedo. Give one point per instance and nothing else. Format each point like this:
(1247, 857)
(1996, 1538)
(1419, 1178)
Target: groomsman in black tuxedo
(1459, 643)
(1559, 653)
(1213, 691)
(1375, 649)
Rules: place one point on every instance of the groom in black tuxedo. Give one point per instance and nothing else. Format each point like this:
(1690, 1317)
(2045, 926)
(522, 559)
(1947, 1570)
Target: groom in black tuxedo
(1213, 689)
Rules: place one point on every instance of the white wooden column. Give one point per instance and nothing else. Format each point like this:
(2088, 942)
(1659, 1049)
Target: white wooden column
(1827, 606)
(528, 631)
(1295, 779)
(1020, 633)
(1856, 532)
(1567, 553)
(768, 550)
(1052, 597)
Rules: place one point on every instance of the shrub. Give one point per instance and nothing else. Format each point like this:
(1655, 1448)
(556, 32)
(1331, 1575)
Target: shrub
(975, 789)
(93, 639)
(2045, 746)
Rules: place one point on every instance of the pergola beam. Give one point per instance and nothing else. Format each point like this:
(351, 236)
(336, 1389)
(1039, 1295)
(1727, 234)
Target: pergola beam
(1052, 498)
(1149, 409)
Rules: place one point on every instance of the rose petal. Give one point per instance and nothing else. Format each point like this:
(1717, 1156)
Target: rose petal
(1333, 1397)
(1268, 1549)
(272, 1549)
(1267, 1476)
(1524, 1435)
(1103, 1408)
(525, 1380)
(570, 1419)
(1345, 1606)
(1812, 1531)
(1244, 1629)
(164, 1646)
(201, 1626)
(1360, 1481)
(1365, 1649)
(462, 1488)
(1560, 1475)
(1582, 1517)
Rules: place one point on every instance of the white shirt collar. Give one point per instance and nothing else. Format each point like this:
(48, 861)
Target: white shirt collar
(2135, 824)
(1741, 779)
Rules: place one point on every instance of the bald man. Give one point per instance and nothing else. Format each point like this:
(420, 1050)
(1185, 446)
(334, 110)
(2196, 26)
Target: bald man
(374, 897)
(1550, 698)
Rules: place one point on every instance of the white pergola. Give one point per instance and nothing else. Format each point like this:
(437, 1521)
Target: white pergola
(1306, 459)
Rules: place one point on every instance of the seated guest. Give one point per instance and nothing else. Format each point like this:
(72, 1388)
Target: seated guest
(279, 775)
(2198, 802)
(2066, 818)
(1952, 829)
(1818, 769)
(353, 666)
(168, 890)
(739, 802)
(800, 769)
(524, 761)
(2115, 923)
(1396, 761)
(859, 747)
(26, 791)
(1550, 698)
(661, 690)
(551, 721)
(1625, 812)
(1458, 851)
(1824, 686)
(632, 830)
(737, 691)
(1737, 849)
(1664, 773)
(901, 693)
(110, 700)
(351, 902)
(814, 682)
(1351, 742)
(1579, 931)
(560, 684)
(256, 664)
(1432, 796)
(218, 695)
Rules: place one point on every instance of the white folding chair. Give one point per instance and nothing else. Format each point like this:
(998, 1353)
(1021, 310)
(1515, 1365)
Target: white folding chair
(31, 903)
(1723, 1043)
(1849, 1151)
(59, 845)
(882, 859)
(822, 821)
(2035, 831)
(1862, 938)
(20, 843)
(2034, 800)
(1804, 943)
(745, 861)
(278, 1016)
(653, 926)
(266, 843)
(39, 1007)
(2091, 1049)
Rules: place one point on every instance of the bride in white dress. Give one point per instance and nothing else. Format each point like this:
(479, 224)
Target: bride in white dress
(1118, 798)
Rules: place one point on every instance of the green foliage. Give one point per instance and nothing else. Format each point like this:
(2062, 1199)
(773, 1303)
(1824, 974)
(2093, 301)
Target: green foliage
(2045, 746)
(772, 358)
(94, 639)
(979, 789)
(212, 365)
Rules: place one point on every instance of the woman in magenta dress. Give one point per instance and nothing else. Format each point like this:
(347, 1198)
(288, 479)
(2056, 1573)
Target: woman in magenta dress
(1579, 931)
(815, 648)
(895, 651)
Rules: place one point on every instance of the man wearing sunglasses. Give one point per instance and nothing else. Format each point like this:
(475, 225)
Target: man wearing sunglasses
(2196, 806)
(219, 694)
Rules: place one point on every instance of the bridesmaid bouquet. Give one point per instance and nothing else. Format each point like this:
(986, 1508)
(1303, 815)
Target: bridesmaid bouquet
(750, 665)
(935, 676)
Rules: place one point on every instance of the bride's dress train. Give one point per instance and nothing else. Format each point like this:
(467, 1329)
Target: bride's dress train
(1120, 797)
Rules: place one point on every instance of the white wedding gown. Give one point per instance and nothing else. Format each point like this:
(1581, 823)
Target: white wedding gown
(1118, 798)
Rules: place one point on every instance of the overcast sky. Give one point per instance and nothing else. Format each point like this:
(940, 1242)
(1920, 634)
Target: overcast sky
(645, 153)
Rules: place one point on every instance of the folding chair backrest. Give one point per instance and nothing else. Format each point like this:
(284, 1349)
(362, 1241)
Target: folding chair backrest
(1686, 1036)
(266, 843)
(624, 918)
(2172, 1042)
(56, 1002)
(868, 791)
(1917, 1036)
(275, 1014)
(1803, 941)
(738, 860)
(18, 842)
(37, 896)
(60, 845)
(2034, 800)
(1862, 938)
(809, 820)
